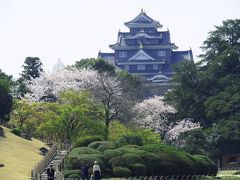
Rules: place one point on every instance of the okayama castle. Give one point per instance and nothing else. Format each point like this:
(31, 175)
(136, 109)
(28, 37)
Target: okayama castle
(147, 52)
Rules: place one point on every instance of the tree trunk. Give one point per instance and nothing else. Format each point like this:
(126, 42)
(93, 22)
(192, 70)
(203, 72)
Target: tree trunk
(107, 122)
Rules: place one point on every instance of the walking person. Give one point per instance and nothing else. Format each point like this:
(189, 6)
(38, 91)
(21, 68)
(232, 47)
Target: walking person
(85, 173)
(50, 173)
(96, 171)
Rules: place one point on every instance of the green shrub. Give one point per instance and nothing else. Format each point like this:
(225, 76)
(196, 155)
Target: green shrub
(130, 139)
(119, 171)
(205, 165)
(148, 136)
(152, 162)
(17, 131)
(138, 169)
(95, 144)
(111, 153)
(125, 150)
(236, 173)
(84, 150)
(77, 161)
(131, 146)
(105, 146)
(181, 163)
(117, 161)
(132, 159)
(85, 141)
(74, 176)
(157, 148)
(67, 173)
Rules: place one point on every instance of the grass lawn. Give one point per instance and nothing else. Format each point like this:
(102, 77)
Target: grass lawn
(18, 155)
(228, 175)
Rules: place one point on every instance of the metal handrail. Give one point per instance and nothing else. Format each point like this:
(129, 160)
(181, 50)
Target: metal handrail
(39, 168)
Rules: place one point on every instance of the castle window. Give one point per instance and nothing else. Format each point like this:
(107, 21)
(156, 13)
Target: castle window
(155, 67)
(140, 67)
(122, 54)
(126, 67)
(161, 53)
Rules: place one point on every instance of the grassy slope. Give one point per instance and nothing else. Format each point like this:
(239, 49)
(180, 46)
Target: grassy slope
(18, 155)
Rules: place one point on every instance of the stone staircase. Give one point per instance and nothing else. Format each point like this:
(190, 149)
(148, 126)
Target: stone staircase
(56, 161)
(54, 157)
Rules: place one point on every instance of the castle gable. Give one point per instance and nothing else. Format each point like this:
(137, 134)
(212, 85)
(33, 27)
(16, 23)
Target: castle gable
(141, 55)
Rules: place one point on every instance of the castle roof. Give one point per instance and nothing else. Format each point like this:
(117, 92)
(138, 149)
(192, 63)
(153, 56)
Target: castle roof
(141, 55)
(143, 20)
(142, 34)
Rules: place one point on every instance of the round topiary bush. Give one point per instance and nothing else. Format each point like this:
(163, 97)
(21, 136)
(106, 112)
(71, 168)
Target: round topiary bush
(111, 153)
(131, 146)
(85, 141)
(138, 169)
(132, 159)
(96, 144)
(17, 131)
(79, 160)
(131, 139)
(181, 163)
(119, 171)
(74, 176)
(105, 146)
(125, 150)
(67, 173)
(84, 150)
(117, 161)
(205, 165)
(152, 162)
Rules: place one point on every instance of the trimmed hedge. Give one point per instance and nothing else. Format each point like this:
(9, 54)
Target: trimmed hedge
(17, 131)
(150, 159)
(74, 176)
(117, 161)
(84, 150)
(132, 159)
(67, 173)
(105, 146)
(131, 146)
(78, 161)
(131, 139)
(95, 144)
(119, 171)
(85, 141)
(111, 153)
(205, 165)
(125, 150)
(138, 169)
(152, 162)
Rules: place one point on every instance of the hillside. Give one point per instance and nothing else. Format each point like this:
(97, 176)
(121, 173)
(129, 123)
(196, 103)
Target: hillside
(18, 155)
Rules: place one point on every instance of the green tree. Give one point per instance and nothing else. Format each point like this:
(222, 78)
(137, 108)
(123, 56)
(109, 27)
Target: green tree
(32, 69)
(98, 64)
(208, 91)
(73, 113)
(6, 100)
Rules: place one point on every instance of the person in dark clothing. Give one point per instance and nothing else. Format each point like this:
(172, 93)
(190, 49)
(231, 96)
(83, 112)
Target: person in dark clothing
(85, 172)
(50, 173)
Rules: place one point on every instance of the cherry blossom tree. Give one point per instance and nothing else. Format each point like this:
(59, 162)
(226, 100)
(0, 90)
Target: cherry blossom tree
(106, 89)
(173, 135)
(154, 113)
(48, 85)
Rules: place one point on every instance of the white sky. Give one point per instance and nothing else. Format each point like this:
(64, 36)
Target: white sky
(76, 29)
